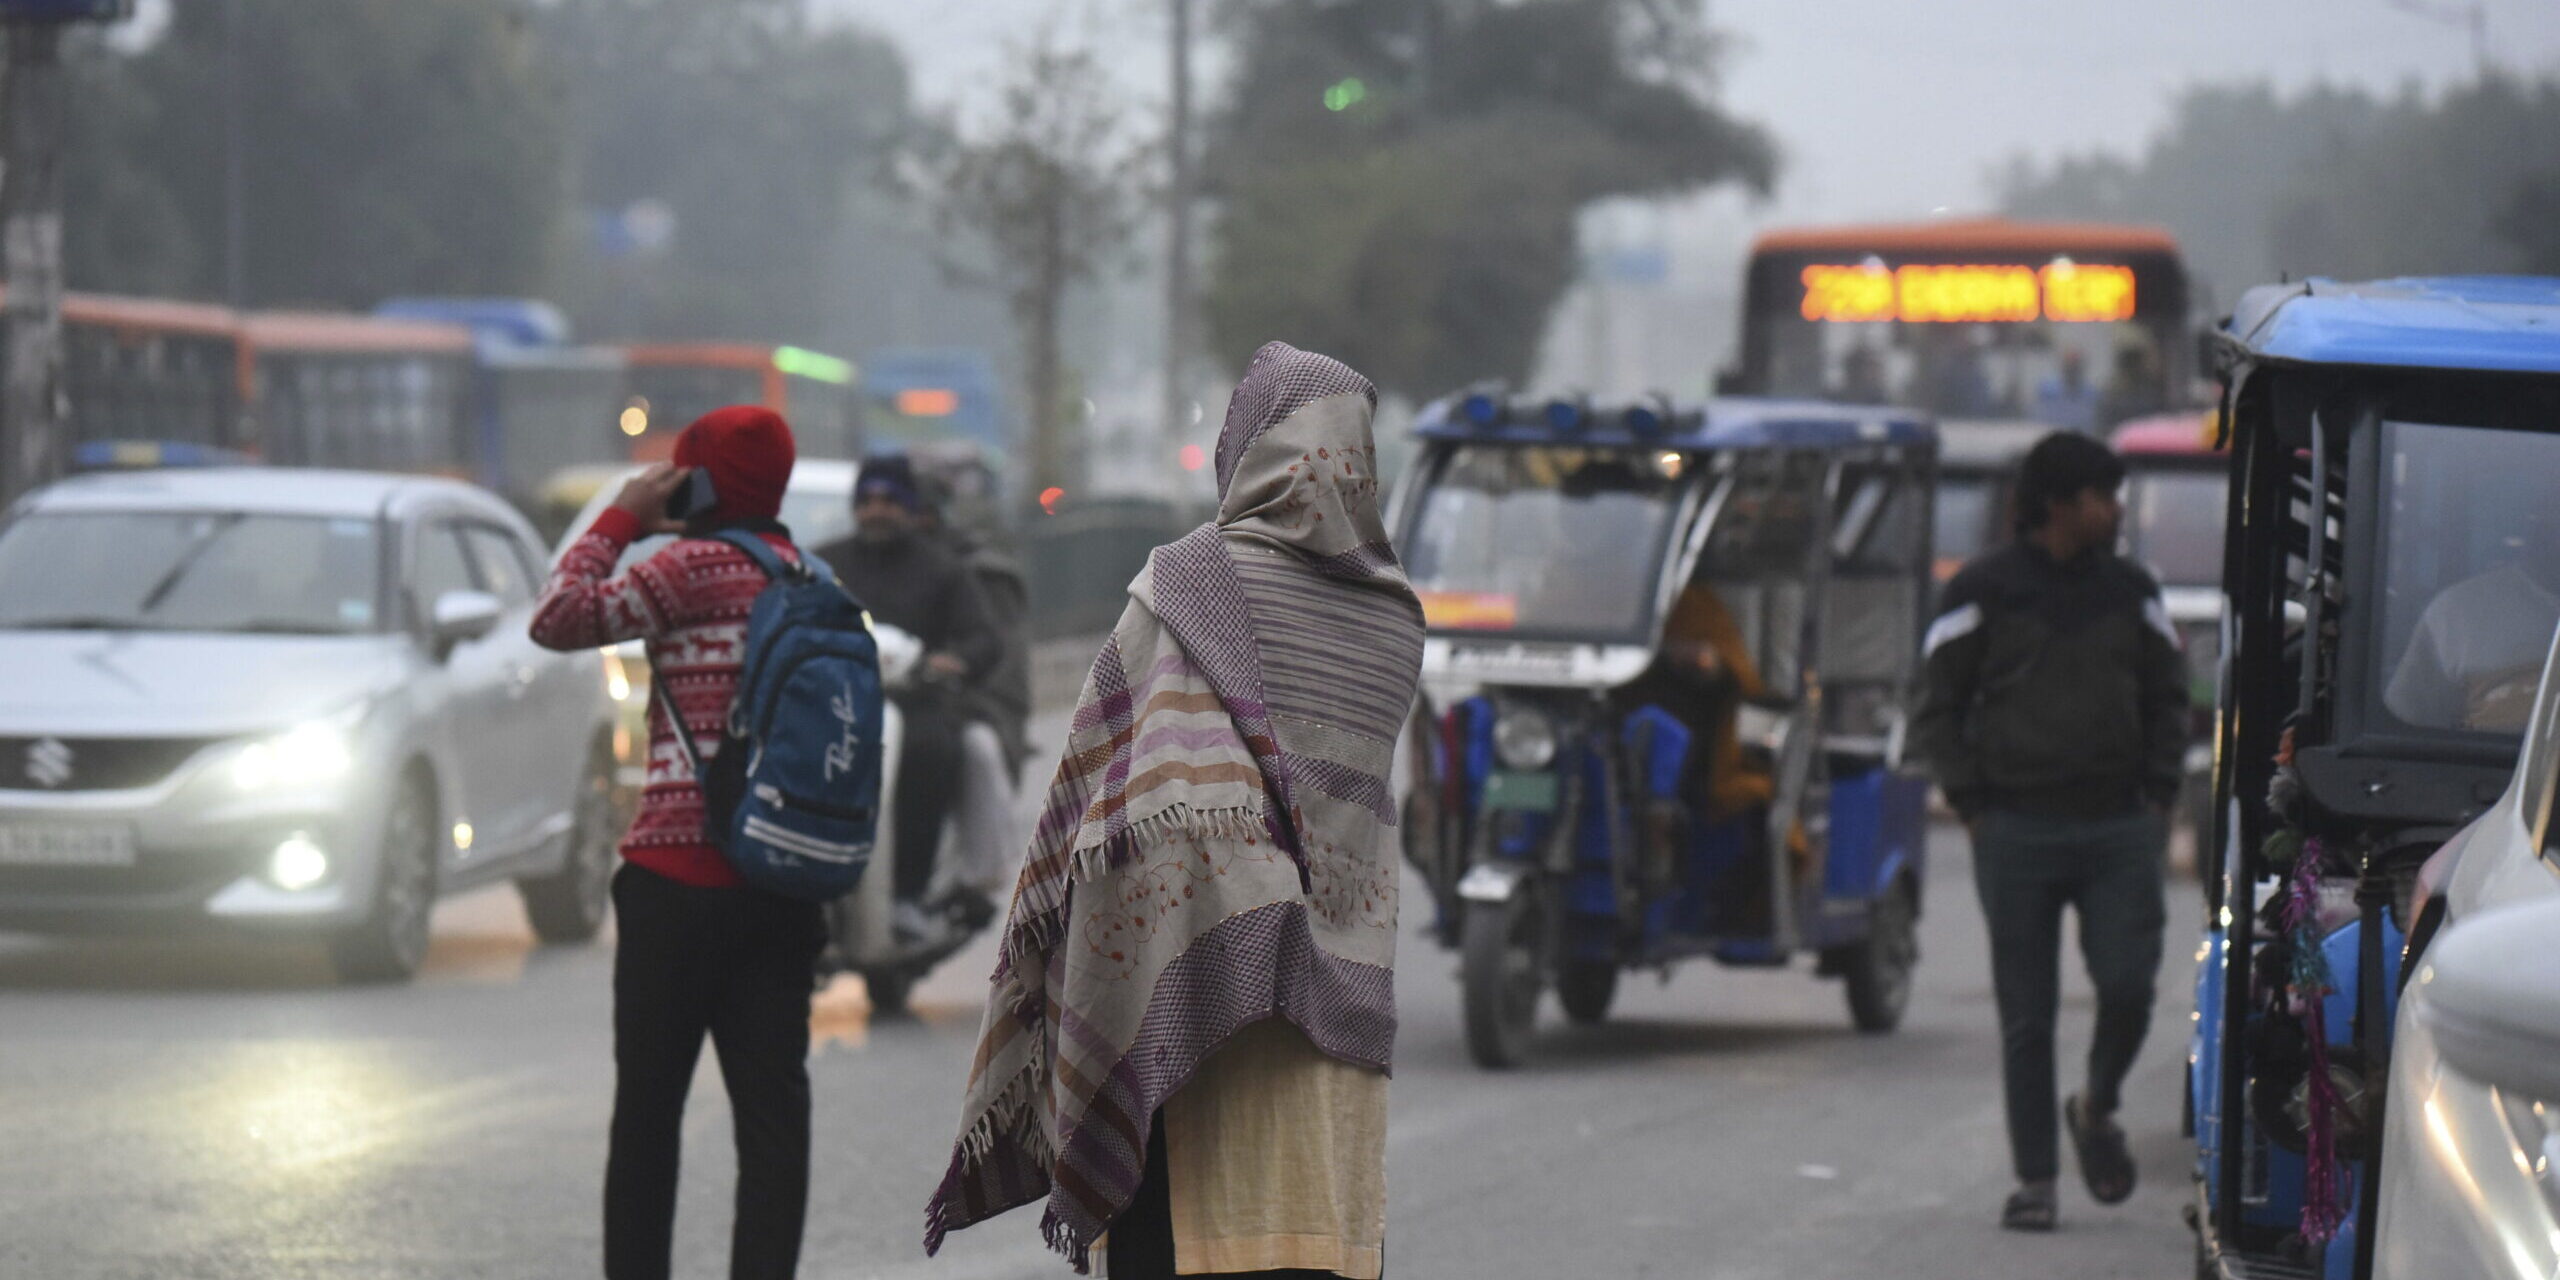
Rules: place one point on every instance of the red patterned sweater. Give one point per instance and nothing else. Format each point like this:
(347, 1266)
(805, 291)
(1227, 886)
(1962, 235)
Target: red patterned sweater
(689, 603)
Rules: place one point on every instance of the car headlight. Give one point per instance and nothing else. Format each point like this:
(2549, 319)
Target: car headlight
(2536, 1128)
(618, 684)
(305, 755)
(1524, 738)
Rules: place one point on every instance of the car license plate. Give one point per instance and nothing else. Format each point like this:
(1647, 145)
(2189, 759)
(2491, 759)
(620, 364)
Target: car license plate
(1533, 792)
(89, 845)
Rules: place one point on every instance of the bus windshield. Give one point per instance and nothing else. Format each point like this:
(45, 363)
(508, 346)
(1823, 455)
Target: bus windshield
(2072, 326)
(1555, 542)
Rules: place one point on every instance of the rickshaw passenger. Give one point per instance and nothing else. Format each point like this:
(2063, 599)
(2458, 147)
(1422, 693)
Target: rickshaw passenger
(1702, 642)
(2478, 651)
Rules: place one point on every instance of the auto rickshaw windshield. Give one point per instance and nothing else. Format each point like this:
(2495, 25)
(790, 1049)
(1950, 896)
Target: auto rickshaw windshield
(2469, 576)
(1544, 540)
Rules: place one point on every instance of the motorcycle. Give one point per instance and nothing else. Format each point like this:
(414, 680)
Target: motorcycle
(863, 936)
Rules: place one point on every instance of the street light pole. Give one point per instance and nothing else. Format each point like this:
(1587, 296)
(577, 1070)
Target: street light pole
(1177, 238)
(235, 180)
(31, 402)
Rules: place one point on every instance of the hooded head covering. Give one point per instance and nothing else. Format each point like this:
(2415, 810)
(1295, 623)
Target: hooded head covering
(749, 453)
(891, 476)
(1213, 850)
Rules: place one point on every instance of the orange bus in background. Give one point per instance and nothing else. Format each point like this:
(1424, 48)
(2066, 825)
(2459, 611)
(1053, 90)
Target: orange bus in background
(2075, 325)
(337, 390)
(147, 368)
(672, 383)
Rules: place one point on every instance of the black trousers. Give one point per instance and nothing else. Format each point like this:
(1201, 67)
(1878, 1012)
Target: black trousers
(2027, 870)
(734, 964)
(1142, 1236)
(928, 777)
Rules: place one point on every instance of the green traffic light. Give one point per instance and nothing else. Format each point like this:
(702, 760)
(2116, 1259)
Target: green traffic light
(1345, 94)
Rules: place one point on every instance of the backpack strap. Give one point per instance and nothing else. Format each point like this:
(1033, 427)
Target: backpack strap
(675, 721)
(757, 549)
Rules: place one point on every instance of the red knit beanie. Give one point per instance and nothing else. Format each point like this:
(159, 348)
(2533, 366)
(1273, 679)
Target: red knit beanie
(748, 451)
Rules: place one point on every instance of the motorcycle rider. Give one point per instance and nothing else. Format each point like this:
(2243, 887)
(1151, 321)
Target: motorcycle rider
(911, 581)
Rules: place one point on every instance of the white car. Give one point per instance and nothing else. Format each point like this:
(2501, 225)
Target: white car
(290, 701)
(2471, 1154)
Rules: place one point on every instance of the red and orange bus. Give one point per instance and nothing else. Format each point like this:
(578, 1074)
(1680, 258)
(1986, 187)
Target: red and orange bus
(2077, 325)
(672, 383)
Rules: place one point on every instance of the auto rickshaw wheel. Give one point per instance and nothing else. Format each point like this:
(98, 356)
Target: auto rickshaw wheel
(1586, 988)
(1879, 967)
(1503, 969)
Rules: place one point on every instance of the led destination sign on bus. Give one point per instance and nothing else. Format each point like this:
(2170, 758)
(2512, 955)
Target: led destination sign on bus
(2059, 290)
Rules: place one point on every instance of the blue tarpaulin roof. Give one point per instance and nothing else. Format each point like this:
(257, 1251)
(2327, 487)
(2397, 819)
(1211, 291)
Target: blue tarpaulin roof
(2498, 324)
(1725, 423)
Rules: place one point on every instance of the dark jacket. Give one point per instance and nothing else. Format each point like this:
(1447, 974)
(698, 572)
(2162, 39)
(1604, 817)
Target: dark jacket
(915, 584)
(2057, 689)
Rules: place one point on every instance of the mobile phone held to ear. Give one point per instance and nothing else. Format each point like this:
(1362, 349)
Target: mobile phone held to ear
(693, 497)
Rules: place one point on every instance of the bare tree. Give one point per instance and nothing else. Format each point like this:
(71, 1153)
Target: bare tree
(1054, 193)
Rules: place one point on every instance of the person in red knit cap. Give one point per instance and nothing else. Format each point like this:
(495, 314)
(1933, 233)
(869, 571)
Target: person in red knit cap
(699, 953)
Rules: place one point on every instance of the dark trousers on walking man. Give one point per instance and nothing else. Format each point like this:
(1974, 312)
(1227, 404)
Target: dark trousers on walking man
(2028, 870)
(2055, 715)
(731, 964)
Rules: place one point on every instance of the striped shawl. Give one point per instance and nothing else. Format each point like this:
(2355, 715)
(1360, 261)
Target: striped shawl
(1212, 851)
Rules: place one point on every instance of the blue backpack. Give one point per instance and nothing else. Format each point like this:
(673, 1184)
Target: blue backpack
(793, 798)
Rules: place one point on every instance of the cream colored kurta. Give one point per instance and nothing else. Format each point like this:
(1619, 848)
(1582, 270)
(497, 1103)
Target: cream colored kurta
(1276, 1158)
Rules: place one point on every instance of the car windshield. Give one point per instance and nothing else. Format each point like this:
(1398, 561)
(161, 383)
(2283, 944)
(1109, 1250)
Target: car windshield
(1552, 541)
(2469, 570)
(235, 571)
(2173, 524)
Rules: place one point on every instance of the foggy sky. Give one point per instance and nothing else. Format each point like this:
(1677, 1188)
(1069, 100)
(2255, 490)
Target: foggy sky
(1888, 107)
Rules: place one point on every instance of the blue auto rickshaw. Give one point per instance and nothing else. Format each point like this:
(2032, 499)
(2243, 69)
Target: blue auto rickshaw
(2392, 448)
(1669, 651)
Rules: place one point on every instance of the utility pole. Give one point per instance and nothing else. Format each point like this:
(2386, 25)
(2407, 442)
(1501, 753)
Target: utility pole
(32, 406)
(235, 179)
(1177, 240)
(2472, 15)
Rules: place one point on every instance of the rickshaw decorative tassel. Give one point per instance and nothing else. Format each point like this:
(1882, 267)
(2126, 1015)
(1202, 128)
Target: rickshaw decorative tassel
(2311, 985)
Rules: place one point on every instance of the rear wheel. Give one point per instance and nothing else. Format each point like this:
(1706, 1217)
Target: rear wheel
(569, 905)
(1586, 988)
(392, 942)
(1879, 968)
(1503, 969)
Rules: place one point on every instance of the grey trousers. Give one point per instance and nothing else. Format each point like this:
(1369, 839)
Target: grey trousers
(2027, 868)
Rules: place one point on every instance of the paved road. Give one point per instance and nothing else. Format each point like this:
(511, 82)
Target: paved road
(175, 1111)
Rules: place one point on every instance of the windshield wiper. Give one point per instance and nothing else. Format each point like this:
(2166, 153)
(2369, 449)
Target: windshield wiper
(78, 624)
(168, 581)
(282, 627)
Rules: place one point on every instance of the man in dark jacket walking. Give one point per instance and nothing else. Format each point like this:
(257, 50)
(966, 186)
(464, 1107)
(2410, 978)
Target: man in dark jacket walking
(2055, 718)
(911, 581)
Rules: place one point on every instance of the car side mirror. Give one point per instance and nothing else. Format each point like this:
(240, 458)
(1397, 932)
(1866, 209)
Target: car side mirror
(457, 616)
(2491, 987)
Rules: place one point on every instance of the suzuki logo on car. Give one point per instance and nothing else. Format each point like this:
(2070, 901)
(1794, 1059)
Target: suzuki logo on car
(49, 762)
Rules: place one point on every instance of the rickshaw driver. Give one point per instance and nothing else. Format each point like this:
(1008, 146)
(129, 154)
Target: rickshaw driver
(2478, 650)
